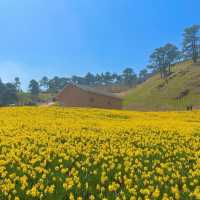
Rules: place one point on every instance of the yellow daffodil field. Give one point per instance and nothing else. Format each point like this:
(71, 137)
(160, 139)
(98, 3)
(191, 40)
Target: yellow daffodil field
(61, 153)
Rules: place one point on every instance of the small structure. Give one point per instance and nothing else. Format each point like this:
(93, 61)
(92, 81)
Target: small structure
(82, 96)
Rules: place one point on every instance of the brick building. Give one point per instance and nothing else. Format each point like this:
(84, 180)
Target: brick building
(82, 96)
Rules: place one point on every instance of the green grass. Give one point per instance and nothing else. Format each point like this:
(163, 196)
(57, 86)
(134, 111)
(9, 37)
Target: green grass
(159, 94)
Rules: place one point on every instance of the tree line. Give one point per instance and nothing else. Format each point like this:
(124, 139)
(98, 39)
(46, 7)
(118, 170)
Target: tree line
(161, 60)
(127, 78)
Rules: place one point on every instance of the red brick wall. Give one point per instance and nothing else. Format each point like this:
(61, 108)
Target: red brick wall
(73, 96)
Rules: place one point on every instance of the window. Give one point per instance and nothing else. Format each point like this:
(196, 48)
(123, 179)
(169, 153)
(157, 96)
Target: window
(109, 103)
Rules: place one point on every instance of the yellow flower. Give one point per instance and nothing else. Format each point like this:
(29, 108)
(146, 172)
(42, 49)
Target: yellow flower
(34, 192)
(118, 153)
(71, 196)
(113, 187)
(68, 184)
(156, 193)
(92, 197)
(51, 189)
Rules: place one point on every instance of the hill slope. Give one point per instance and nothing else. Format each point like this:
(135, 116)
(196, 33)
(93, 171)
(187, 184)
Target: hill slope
(181, 88)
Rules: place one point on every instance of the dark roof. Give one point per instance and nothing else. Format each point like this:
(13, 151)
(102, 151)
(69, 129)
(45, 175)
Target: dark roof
(96, 91)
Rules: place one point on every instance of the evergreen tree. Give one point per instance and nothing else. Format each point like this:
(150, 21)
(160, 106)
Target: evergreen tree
(191, 42)
(129, 77)
(44, 83)
(34, 87)
(17, 83)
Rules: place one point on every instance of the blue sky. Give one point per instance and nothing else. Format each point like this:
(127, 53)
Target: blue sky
(66, 37)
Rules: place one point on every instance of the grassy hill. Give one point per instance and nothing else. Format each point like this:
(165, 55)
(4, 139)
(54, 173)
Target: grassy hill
(180, 89)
